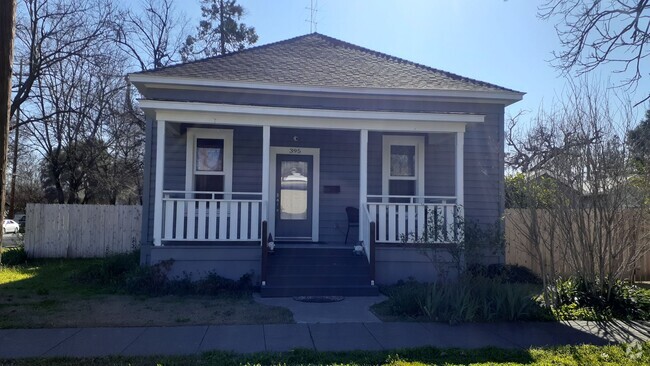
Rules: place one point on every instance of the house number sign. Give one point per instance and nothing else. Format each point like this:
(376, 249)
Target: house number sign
(294, 151)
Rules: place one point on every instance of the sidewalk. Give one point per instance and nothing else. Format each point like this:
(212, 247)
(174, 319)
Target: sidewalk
(93, 342)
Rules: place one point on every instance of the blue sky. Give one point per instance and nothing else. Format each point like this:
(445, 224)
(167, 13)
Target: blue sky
(497, 41)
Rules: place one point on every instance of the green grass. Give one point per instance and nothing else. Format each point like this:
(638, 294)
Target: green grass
(48, 293)
(569, 355)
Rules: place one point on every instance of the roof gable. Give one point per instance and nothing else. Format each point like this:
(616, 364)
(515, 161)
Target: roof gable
(321, 61)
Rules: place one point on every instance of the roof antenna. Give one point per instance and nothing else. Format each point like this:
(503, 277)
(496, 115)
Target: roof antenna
(313, 10)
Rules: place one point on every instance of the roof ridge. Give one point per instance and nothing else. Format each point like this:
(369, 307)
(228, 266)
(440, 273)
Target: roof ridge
(403, 60)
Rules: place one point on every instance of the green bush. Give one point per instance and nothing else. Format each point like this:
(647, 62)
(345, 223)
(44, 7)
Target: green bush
(469, 299)
(578, 299)
(507, 273)
(14, 256)
(110, 272)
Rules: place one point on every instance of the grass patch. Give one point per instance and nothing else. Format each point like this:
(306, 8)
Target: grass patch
(95, 292)
(638, 354)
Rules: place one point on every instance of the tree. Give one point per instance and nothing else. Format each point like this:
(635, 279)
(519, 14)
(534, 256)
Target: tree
(219, 32)
(152, 36)
(7, 35)
(639, 140)
(593, 225)
(50, 32)
(595, 32)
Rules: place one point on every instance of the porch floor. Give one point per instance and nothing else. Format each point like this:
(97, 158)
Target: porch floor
(315, 270)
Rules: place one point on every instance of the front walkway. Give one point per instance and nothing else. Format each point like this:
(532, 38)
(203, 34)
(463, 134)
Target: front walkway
(93, 342)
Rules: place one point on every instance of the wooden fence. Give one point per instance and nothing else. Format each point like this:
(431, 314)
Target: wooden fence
(81, 231)
(515, 244)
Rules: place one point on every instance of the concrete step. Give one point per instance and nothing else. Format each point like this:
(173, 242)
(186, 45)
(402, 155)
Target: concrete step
(318, 269)
(319, 280)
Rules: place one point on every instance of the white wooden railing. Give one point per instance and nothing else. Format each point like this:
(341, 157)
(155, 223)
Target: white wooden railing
(211, 216)
(415, 219)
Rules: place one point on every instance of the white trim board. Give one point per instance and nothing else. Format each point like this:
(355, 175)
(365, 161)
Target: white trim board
(207, 113)
(315, 153)
(209, 133)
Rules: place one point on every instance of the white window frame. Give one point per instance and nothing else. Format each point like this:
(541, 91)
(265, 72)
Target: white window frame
(209, 133)
(399, 140)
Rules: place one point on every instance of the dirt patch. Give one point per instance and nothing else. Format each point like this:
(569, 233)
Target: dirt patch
(121, 310)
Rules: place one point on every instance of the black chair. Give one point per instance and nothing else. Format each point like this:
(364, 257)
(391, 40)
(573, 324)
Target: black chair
(353, 220)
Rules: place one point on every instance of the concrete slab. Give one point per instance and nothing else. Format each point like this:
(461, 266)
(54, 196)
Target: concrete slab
(93, 342)
(167, 341)
(471, 335)
(235, 338)
(401, 335)
(606, 332)
(287, 337)
(342, 337)
(350, 310)
(19, 343)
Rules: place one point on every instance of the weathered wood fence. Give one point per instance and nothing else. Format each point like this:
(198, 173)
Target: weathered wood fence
(81, 231)
(516, 254)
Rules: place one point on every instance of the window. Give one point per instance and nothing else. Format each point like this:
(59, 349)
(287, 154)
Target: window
(209, 161)
(403, 167)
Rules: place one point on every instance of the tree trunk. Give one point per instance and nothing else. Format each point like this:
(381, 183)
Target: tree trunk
(7, 34)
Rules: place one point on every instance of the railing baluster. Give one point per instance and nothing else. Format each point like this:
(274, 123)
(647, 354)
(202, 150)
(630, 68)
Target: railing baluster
(243, 224)
(169, 220)
(212, 220)
(180, 220)
(191, 217)
(255, 214)
(401, 223)
(200, 232)
(391, 223)
(382, 223)
(421, 218)
(234, 218)
(223, 220)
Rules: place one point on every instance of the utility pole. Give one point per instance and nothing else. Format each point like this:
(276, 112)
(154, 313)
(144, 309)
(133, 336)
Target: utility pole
(7, 34)
(14, 162)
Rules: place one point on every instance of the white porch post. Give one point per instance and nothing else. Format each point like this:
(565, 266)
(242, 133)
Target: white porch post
(363, 180)
(460, 178)
(266, 160)
(160, 174)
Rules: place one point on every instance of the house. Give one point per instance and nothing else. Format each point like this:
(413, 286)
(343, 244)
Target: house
(280, 139)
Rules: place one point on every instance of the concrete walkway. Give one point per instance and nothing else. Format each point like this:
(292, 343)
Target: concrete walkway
(92, 342)
(350, 310)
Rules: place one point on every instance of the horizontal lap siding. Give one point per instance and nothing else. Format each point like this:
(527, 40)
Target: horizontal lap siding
(339, 166)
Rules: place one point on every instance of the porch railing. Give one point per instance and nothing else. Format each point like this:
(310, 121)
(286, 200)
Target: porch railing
(415, 219)
(211, 216)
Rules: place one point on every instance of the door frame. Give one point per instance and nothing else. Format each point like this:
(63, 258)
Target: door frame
(315, 153)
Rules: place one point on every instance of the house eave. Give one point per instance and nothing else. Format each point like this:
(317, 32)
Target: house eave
(212, 113)
(142, 82)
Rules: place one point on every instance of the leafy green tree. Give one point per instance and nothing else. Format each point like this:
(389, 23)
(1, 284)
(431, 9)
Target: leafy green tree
(220, 31)
(639, 142)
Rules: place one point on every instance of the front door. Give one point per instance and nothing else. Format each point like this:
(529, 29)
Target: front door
(294, 197)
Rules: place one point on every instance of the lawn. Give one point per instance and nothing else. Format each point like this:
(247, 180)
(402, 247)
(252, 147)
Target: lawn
(42, 294)
(638, 354)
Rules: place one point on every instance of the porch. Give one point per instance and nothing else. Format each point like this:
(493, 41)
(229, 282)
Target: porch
(227, 181)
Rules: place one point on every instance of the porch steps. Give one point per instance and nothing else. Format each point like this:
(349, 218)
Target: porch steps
(317, 272)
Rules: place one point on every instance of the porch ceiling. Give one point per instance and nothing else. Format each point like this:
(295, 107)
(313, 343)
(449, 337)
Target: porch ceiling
(208, 113)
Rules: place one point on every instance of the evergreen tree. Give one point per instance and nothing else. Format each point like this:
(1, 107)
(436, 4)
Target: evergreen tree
(219, 32)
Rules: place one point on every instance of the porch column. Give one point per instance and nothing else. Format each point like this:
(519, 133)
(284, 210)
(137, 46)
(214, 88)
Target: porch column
(266, 160)
(160, 174)
(460, 178)
(363, 180)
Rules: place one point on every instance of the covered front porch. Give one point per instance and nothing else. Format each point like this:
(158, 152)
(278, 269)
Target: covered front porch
(227, 169)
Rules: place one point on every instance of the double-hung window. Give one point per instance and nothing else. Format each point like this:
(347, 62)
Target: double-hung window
(209, 162)
(403, 167)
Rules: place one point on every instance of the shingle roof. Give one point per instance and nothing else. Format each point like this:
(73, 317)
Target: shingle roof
(318, 60)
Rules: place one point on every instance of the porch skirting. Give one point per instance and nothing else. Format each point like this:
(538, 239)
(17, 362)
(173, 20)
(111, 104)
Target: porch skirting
(395, 263)
(198, 261)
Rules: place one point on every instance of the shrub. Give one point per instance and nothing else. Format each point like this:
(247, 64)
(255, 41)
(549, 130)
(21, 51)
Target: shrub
(577, 299)
(507, 273)
(111, 271)
(471, 298)
(14, 256)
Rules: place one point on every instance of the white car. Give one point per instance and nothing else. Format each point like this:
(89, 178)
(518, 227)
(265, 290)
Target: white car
(10, 226)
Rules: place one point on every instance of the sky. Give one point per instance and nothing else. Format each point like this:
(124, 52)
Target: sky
(497, 41)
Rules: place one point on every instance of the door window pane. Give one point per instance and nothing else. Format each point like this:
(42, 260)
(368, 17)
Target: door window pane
(208, 183)
(209, 155)
(294, 182)
(402, 161)
(401, 188)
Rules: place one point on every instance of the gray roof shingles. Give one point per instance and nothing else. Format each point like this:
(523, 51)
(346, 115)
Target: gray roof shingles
(322, 61)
